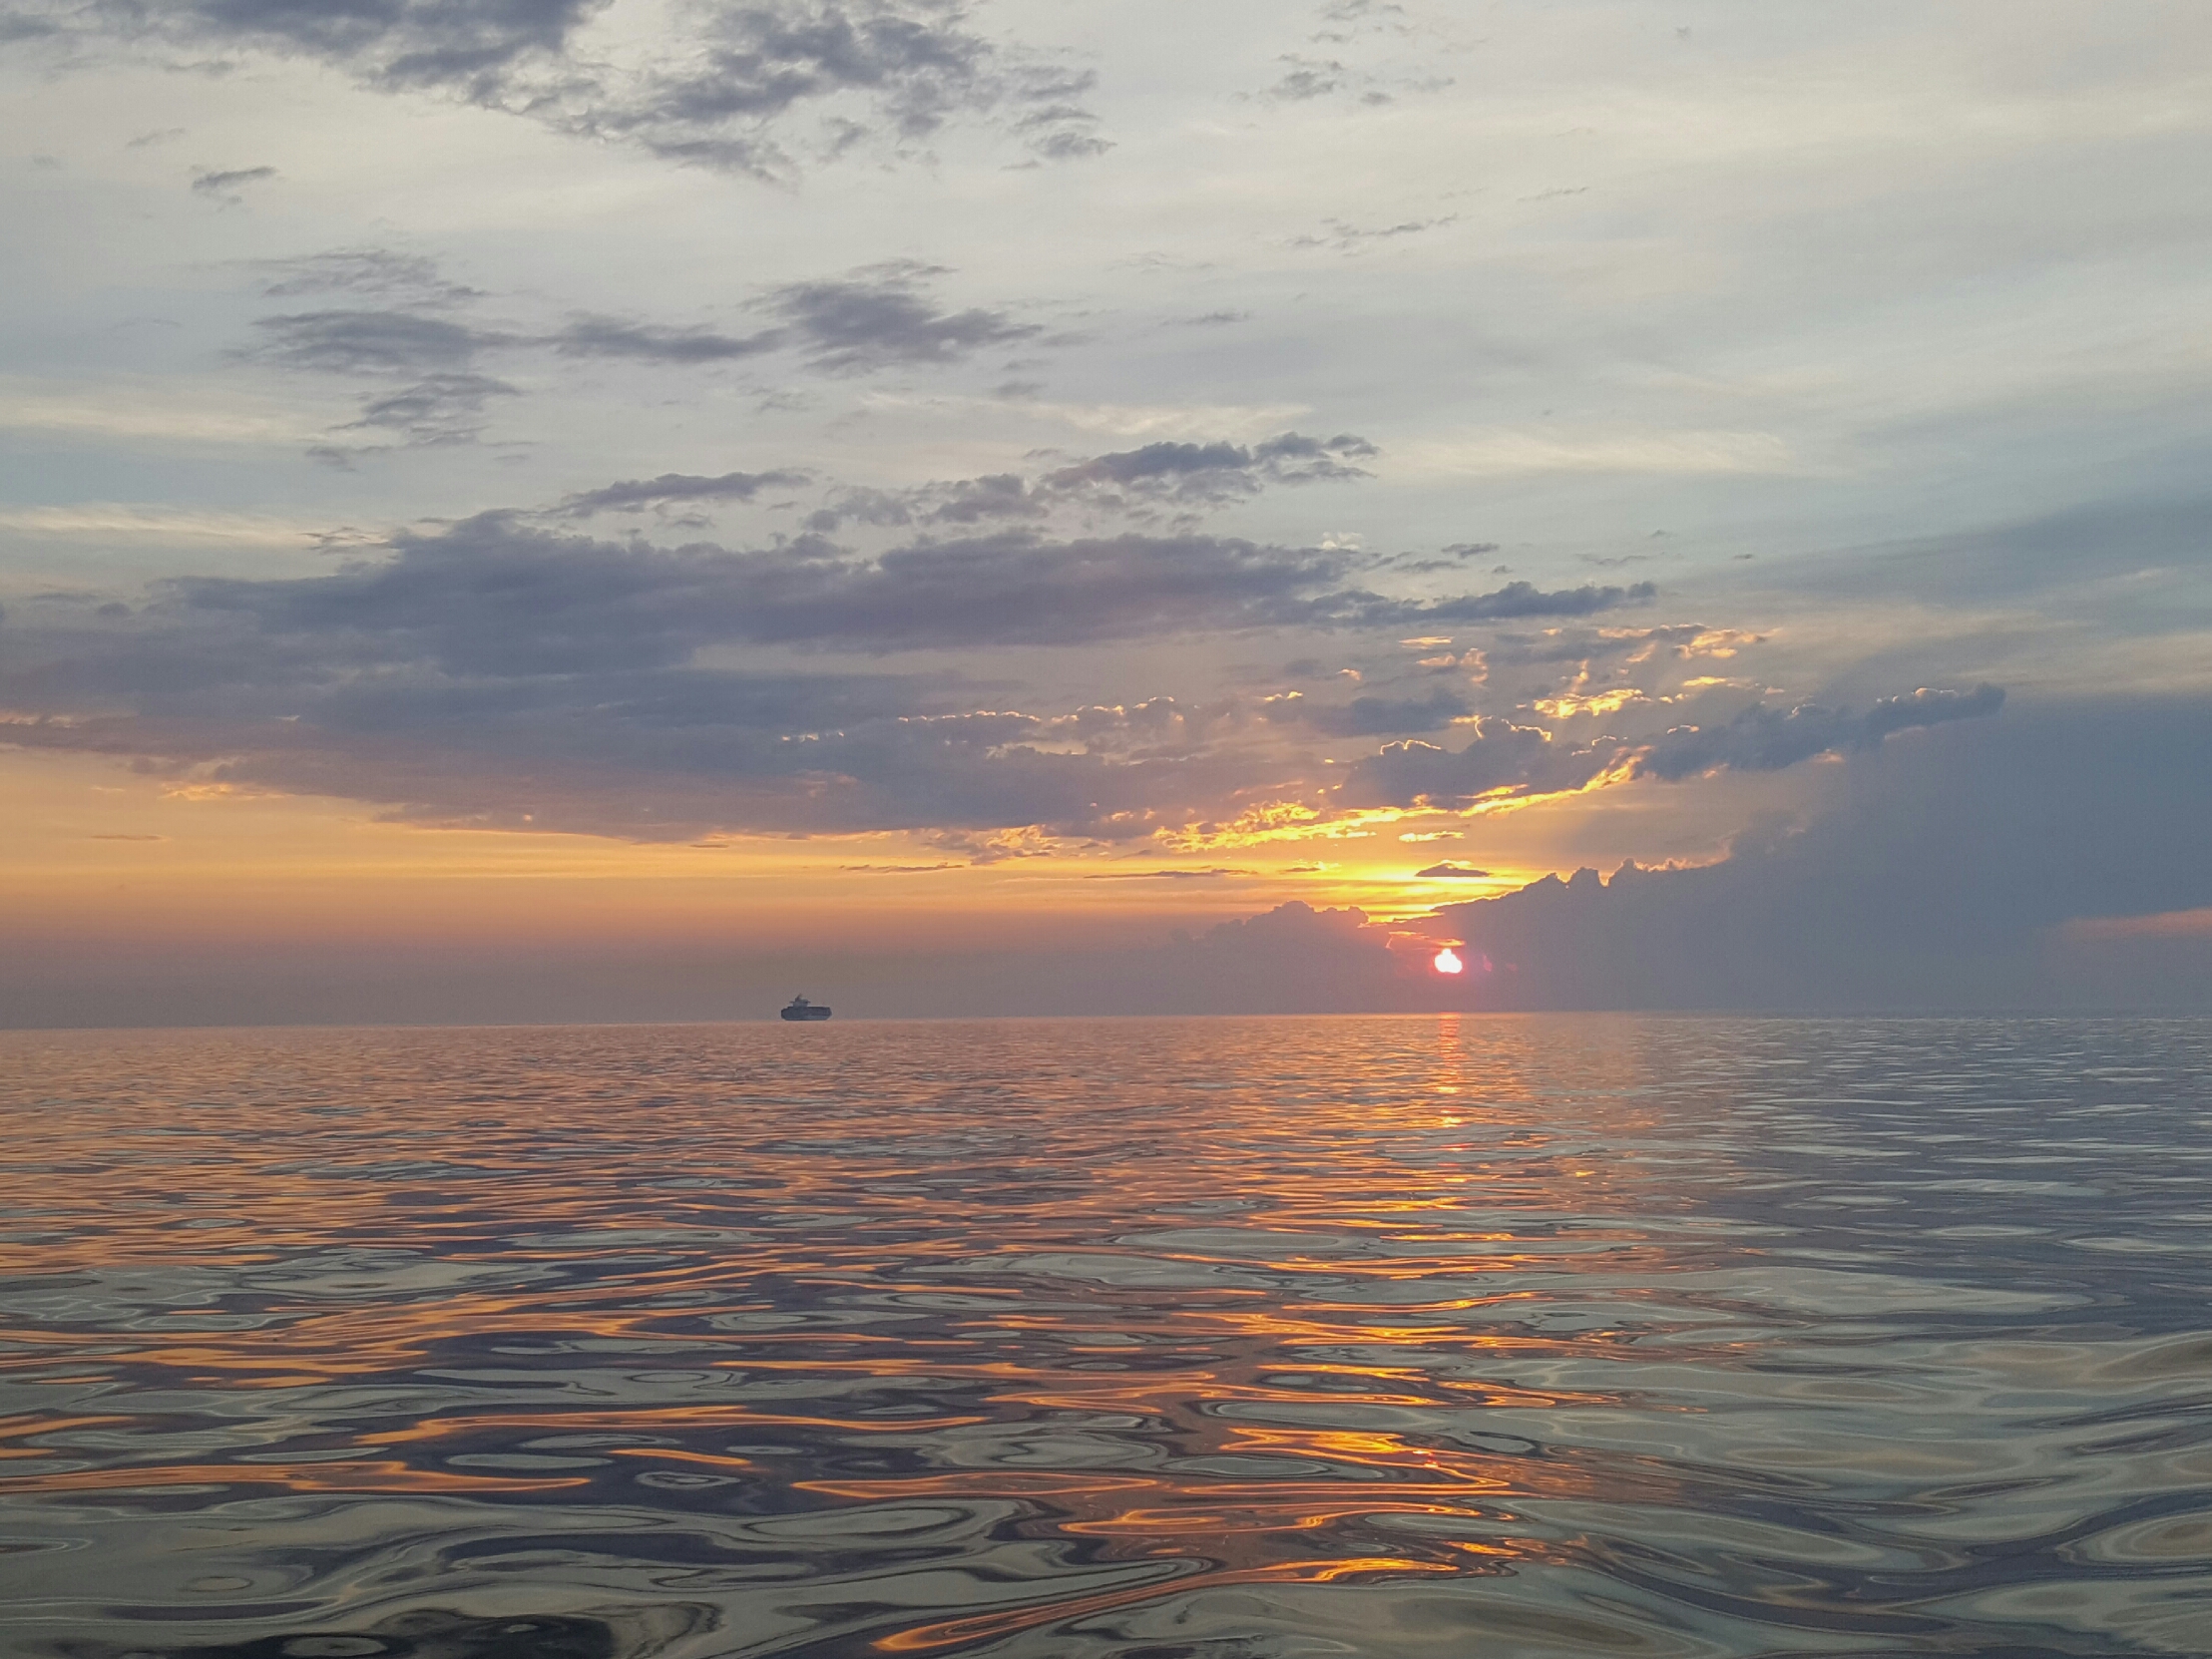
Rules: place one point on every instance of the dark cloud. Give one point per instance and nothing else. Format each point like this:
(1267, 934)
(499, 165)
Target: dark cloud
(1213, 473)
(1943, 882)
(1130, 482)
(469, 46)
(1448, 871)
(729, 94)
(1307, 78)
(636, 749)
(492, 593)
(864, 505)
(1502, 757)
(911, 66)
(1369, 716)
(437, 409)
(635, 493)
(883, 318)
(974, 500)
(399, 340)
(875, 319)
(597, 336)
(1063, 132)
(493, 673)
(370, 343)
(373, 272)
(435, 393)
(1506, 760)
(1153, 461)
(225, 185)
(1762, 739)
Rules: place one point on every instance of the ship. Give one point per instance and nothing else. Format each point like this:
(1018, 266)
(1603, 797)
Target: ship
(800, 1008)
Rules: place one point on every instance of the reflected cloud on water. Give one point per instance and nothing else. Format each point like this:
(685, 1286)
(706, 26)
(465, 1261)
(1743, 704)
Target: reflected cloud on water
(1191, 1340)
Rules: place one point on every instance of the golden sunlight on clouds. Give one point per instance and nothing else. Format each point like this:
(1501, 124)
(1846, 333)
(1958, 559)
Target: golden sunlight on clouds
(97, 850)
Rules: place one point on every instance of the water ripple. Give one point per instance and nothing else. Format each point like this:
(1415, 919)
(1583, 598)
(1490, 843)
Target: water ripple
(1169, 1339)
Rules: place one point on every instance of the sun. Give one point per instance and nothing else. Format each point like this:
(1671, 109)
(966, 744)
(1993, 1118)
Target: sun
(1447, 961)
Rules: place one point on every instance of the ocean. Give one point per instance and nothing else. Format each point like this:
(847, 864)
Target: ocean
(1229, 1339)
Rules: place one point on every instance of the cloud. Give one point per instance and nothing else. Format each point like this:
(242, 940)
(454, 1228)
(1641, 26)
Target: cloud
(223, 186)
(881, 318)
(643, 751)
(370, 343)
(373, 272)
(491, 591)
(489, 587)
(1212, 473)
(1448, 871)
(877, 318)
(437, 396)
(1346, 239)
(598, 336)
(1502, 757)
(1951, 878)
(462, 44)
(1504, 760)
(1762, 739)
(1945, 880)
(1305, 78)
(728, 92)
(1187, 476)
(437, 409)
(904, 68)
(496, 672)
(1369, 716)
(629, 495)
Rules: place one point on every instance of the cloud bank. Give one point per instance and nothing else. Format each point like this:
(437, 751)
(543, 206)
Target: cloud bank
(1942, 882)
(499, 672)
(734, 90)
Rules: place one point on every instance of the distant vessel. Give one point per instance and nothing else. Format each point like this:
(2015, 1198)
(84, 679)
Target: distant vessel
(800, 1008)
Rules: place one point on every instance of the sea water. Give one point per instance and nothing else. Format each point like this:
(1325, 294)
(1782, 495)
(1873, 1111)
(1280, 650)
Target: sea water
(1174, 1339)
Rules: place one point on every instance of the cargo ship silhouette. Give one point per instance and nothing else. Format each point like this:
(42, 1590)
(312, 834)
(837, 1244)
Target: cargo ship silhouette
(800, 1008)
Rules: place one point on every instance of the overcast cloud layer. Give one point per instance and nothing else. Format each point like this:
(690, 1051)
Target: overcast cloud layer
(1197, 449)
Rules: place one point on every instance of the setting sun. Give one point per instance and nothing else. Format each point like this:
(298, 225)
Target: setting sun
(1447, 961)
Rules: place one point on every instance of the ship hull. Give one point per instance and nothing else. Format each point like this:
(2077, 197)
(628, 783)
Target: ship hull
(806, 1013)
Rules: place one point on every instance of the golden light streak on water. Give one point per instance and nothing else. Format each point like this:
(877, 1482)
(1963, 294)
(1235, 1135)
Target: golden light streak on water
(1181, 1340)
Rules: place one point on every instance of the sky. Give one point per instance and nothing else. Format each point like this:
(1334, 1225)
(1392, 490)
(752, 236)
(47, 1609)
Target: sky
(524, 510)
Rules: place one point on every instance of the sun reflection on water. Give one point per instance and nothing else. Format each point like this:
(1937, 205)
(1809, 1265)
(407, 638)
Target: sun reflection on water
(1086, 1336)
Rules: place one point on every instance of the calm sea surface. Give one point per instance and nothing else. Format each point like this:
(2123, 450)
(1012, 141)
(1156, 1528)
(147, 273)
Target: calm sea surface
(1172, 1340)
